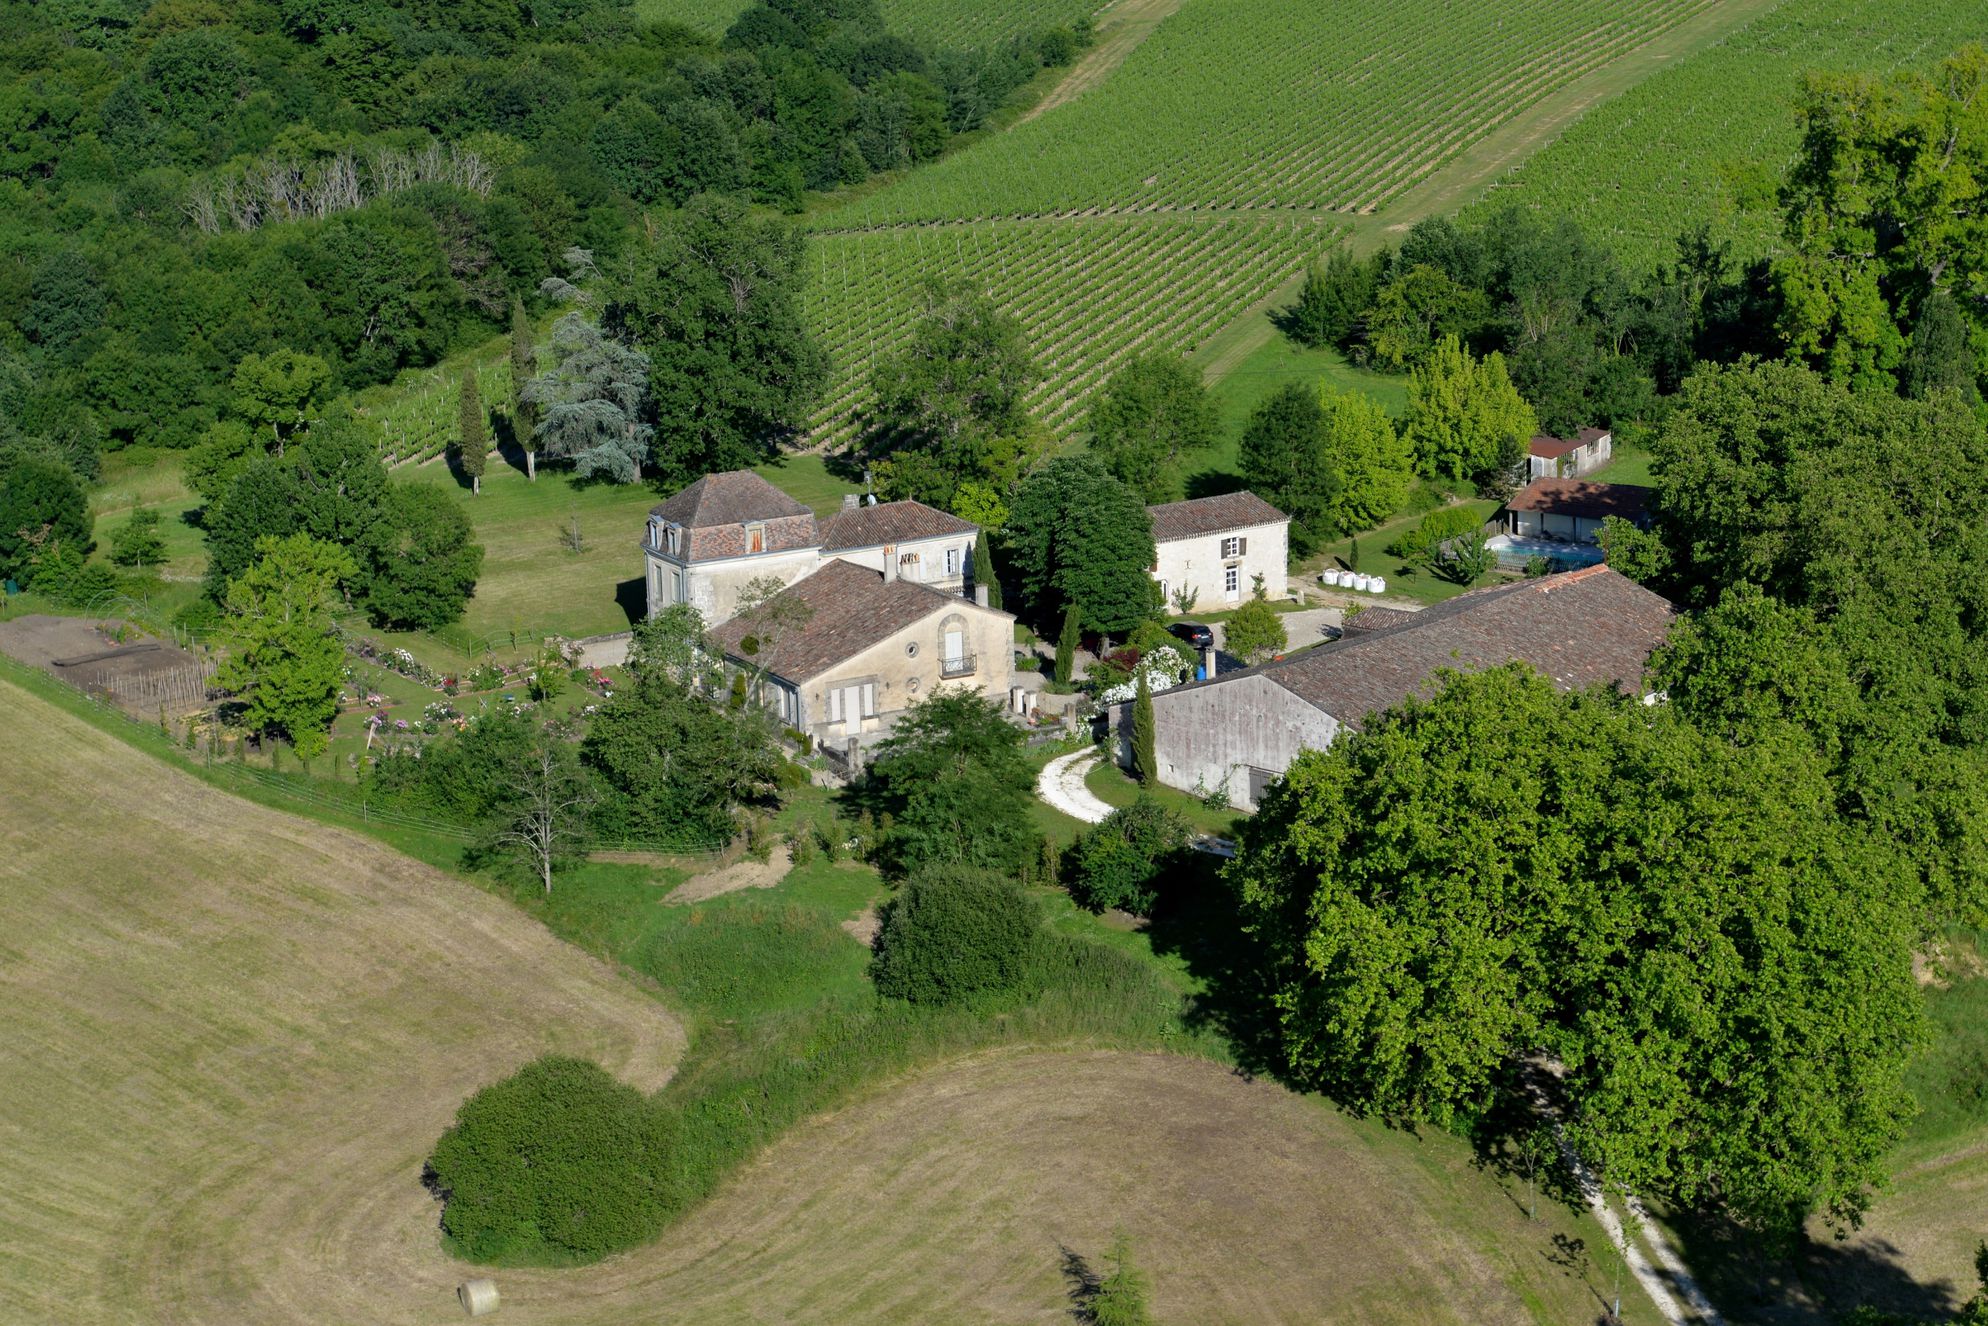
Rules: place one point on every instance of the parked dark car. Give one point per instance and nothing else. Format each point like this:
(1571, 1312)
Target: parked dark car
(1194, 633)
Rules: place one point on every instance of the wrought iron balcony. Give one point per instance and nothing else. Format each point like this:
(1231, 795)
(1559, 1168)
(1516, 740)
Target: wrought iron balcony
(960, 665)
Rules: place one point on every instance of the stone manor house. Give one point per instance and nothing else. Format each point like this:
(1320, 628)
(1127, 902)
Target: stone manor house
(881, 606)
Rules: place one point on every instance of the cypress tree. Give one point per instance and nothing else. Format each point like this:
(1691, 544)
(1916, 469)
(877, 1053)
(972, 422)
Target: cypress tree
(983, 570)
(1066, 647)
(474, 447)
(1145, 759)
(524, 367)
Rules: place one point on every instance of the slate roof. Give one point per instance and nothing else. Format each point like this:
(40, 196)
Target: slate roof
(1211, 515)
(731, 497)
(890, 522)
(1579, 629)
(1582, 497)
(853, 609)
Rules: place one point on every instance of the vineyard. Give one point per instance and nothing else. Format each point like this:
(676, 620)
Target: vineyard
(1706, 139)
(416, 412)
(1088, 293)
(1255, 104)
(957, 23)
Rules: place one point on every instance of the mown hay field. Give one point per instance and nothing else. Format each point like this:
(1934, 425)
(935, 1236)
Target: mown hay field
(232, 1035)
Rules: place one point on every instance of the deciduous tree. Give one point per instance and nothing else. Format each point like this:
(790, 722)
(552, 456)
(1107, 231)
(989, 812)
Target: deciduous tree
(285, 661)
(1465, 419)
(958, 786)
(1151, 415)
(711, 294)
(950, 405)
(1078, 536)
(1373, 462)
(1283, 460)
(1255, 632)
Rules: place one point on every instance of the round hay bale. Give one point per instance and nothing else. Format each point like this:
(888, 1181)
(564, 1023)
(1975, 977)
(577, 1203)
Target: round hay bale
(478, 1297)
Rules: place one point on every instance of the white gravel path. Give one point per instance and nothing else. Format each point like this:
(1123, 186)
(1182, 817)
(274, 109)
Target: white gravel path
(1061, 784)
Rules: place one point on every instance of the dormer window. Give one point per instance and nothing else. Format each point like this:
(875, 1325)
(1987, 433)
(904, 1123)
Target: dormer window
(755, 538)
(673, 539)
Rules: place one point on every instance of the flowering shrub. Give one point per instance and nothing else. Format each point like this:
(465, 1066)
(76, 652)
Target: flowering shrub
(1163, 666)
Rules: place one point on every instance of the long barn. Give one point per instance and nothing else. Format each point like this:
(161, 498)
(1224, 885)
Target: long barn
(1241, 730)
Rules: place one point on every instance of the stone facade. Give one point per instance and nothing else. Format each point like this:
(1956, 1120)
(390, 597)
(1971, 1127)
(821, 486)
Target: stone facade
(856, 702)
(1239, 734)
(1212, 549)
(1220, 570)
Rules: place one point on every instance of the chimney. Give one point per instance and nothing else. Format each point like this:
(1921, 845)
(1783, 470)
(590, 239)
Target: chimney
(890, 562)
(980, 595)
(850, 501)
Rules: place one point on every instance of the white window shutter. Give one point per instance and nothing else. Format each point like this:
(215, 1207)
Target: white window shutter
(869, 699)
(835, 704)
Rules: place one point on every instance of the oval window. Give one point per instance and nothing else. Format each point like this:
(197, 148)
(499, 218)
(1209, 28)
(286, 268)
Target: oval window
(911, 650)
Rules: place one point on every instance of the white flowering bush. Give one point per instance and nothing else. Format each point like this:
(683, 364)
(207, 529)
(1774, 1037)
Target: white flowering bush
(1163, 666)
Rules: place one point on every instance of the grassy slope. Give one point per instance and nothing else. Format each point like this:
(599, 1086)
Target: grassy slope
(231, 1036)
(221, 1084)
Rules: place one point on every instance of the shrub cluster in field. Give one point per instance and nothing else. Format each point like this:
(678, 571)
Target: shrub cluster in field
(525, 1168)
(788, 1024)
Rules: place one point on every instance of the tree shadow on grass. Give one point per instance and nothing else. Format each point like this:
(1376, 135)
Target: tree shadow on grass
(1816, 1283)
(1198, 922)
(632, 597)
(1083, 1280)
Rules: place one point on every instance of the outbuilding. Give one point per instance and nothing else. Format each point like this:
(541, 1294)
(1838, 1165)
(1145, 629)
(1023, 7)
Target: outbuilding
(1209, 551)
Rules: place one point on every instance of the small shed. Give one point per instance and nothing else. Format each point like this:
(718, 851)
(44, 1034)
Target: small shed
(1572, 510)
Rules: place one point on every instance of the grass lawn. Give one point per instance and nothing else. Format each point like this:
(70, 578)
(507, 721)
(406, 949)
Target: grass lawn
(1276, 363)
(1113, 786)
(534, 584)
(1629, 465)
(1403, 581)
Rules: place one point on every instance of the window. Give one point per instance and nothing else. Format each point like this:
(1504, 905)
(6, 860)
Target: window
(911, 649)
(673, 539)
(952, 561)
(676, 586)
(755, 538)
(1235, 546)
(1232, 580)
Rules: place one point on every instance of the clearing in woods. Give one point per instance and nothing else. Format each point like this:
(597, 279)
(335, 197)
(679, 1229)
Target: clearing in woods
(232, 1036)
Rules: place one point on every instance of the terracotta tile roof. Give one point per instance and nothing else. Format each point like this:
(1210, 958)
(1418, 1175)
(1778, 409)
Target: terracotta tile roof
(1582, 497)
(732, 497)
(853, 609)
(1580, 629)
(890, 522)
(1211, 515)
(1547, 447)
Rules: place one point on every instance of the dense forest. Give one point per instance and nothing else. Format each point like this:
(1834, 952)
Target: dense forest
(193, 182)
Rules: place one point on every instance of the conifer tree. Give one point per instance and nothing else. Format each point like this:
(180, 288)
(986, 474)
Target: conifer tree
(983, 570)
(473, 445)
(1145, 758)
(1066, 647)
(524, 367)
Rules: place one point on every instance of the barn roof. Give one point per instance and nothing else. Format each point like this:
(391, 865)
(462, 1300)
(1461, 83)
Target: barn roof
(1580, 629)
